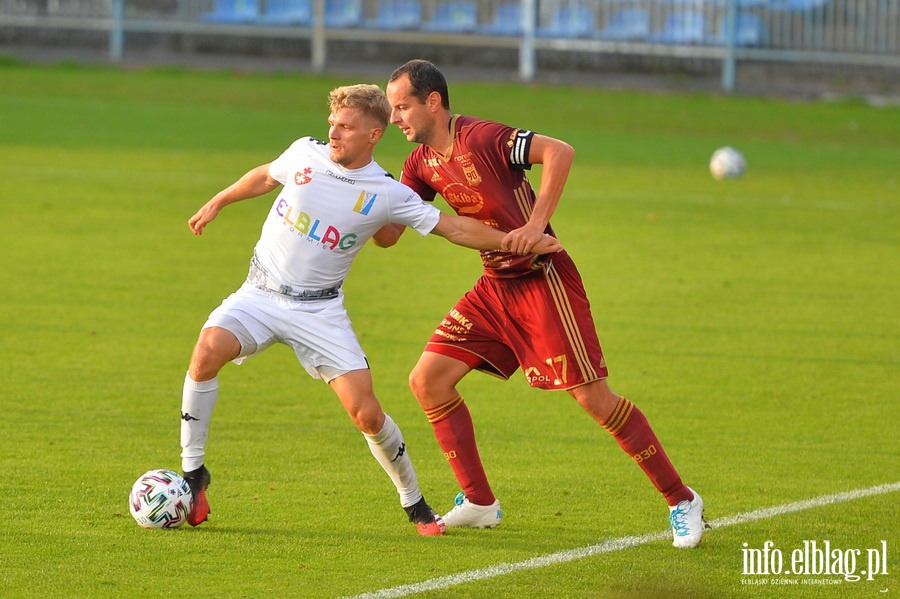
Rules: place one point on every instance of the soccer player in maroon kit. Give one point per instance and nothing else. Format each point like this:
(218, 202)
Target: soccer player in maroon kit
(526, 311)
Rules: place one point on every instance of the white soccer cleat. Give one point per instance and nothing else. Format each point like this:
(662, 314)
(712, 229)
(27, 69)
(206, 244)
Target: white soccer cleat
(469, 515)
(686, 520)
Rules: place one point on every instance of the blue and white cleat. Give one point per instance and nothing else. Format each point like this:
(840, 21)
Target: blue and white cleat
(468, 515)
(687, 523)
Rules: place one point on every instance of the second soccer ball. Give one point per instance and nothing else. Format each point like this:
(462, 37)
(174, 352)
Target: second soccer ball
(727, 163)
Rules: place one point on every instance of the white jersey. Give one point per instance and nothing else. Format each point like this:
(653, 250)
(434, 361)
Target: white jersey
(325, 213)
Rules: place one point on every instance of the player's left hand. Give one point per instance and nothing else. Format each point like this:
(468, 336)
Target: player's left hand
(522, 240)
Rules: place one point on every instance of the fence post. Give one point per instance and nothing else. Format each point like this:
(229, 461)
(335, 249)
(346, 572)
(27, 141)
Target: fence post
(318, 36)
(729, 61)
(526, 46)
(117, 32)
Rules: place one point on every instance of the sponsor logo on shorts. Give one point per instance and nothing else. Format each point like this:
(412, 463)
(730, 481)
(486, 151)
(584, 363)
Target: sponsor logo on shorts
(535, 377)
(557, 364)
(462, 320)
(454, 326)
(446, 335)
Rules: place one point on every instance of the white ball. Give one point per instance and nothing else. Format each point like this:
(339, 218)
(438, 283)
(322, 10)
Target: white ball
(160, 499)
(727, 163)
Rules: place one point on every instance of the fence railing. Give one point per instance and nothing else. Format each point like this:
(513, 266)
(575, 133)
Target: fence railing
(847, 32)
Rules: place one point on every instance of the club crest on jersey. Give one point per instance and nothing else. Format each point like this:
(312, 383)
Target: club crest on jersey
(365, 202)
(469, 170)
(303, 177)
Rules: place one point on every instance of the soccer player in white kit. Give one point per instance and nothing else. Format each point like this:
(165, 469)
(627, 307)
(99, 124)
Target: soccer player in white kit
(334, 198)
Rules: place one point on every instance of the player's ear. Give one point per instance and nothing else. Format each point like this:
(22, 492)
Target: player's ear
(375, 134)
(434, 101)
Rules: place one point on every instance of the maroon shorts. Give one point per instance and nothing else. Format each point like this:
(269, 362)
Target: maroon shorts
(540, 321)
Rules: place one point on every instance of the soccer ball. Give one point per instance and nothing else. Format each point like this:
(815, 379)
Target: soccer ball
(727, 163)
(160, 499)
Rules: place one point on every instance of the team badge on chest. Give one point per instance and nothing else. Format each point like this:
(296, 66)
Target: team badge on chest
(469, 170)
(303, 177)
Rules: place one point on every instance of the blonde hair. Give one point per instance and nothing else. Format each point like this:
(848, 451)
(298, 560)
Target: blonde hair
(367, 98)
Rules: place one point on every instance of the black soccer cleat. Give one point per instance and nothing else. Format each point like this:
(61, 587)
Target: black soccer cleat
(427, 522)
(198, 481)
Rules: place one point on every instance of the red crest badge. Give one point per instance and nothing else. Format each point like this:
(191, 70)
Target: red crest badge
(303, 177)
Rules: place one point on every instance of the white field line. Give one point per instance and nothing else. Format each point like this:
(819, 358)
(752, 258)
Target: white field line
(562, 557)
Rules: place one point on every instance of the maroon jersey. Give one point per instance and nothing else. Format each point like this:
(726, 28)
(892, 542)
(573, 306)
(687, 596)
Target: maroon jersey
(482, 176)
(526, 311)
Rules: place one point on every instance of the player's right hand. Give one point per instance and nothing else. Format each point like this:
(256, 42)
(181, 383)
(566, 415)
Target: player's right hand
(203, 217)
(547, 245)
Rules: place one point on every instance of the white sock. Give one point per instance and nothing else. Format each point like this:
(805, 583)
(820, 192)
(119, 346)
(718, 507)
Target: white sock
(197, 402)
(389, 449)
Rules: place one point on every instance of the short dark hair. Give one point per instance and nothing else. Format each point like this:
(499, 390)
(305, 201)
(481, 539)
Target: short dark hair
(425, 78)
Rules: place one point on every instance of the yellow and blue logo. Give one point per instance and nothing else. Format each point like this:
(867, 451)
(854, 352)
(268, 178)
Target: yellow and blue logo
(365, 202)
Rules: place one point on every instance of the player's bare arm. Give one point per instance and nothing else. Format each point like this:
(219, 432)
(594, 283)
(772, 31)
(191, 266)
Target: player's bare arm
(470, 233)
(388, 235)
(556, 157)
(253, 183)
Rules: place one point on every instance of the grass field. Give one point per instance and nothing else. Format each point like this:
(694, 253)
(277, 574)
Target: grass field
(754, 321)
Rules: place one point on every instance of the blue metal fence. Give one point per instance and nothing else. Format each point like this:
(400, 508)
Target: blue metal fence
(847, 32)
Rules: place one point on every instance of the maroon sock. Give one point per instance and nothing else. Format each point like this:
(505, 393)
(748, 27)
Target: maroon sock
(455, 433)
(629, 427)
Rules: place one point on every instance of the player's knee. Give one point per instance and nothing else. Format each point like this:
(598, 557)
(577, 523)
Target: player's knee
(205, 361)
(419, 383)
(368, 419)
(200, 368)
(597, 399)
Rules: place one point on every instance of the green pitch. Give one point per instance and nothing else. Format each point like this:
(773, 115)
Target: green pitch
(755, 322)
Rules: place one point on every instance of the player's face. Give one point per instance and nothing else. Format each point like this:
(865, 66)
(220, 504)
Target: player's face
(411, 115)
(352, 136)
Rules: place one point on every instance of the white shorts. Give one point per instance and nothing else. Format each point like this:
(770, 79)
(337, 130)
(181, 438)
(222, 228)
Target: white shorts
(319, 332)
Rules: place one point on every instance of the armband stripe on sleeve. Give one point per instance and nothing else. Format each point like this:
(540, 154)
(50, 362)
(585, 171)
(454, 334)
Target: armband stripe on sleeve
(519, 154)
